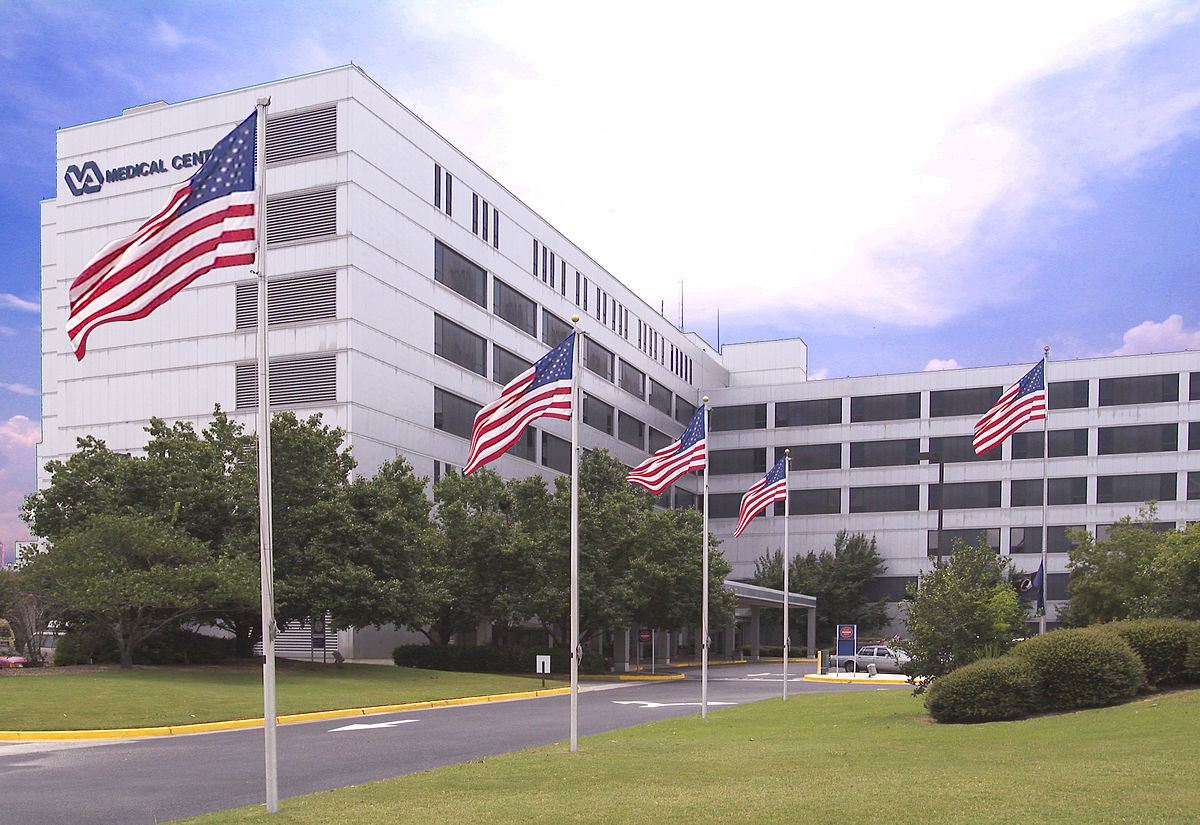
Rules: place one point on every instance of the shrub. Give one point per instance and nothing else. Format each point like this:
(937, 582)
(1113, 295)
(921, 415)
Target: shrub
(1080, 668)
(1191, 660)
(1161, 644)
(491, 658)
(84, 643)
(988, 690)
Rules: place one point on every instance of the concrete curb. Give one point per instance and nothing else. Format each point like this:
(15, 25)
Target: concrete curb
(858, 679)
(206, 727)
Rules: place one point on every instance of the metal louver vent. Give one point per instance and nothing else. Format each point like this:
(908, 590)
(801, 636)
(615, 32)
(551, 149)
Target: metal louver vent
(302, 216)
(289, 301)
(302, 134)
(311, 380)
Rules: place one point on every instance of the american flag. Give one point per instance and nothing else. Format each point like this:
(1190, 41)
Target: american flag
(1021, 403)
(208, 222)
(545, 389)
(772, 488)
(659, 471)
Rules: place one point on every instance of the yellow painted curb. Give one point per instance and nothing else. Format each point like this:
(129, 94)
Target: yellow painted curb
(846, 679)
(652, 677)
(204, 727)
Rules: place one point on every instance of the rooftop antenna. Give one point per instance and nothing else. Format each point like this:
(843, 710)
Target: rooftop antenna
(718, 330)
(681, 305)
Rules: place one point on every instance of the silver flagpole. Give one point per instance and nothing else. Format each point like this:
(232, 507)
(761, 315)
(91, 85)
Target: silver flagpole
(576, 414)
(266, 559)
(787, 646)
(704, 574)
(1045, 484)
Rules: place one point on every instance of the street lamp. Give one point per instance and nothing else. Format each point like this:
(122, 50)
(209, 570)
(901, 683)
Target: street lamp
(932, 456)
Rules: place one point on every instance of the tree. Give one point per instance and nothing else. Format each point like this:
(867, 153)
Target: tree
(131, 576)
(26, 613)
(1109, 578)
(1174, 576)
(838, 579)
(961, 611)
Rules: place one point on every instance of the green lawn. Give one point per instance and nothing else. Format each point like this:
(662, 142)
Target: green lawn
(822, 758)
(46, 700)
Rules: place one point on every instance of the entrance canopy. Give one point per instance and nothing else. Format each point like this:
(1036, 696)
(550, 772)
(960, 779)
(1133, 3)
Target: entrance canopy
(751, 595)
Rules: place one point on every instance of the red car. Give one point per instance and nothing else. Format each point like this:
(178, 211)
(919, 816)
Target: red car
(10, 658)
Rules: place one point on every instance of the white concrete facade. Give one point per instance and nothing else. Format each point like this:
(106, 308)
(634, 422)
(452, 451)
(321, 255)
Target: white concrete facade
(360, 193)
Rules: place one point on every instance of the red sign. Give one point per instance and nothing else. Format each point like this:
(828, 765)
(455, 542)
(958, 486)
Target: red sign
(643, 635)
(846, 631)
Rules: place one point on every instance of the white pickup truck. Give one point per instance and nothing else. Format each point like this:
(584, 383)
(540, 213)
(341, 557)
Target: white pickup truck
(885, 659)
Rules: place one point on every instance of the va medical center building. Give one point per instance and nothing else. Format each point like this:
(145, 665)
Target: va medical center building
(407, 286)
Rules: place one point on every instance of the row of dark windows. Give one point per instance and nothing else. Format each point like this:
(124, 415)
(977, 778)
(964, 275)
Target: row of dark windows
(1139, 389)
(481, 228)
(1138, 438)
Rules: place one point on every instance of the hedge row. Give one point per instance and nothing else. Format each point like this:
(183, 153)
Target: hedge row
(492, 658)
(1069, 670)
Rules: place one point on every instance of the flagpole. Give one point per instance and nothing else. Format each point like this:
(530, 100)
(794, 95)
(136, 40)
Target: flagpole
(266, 558)
(704, 574)
(787, 647)
(576, 414)
(1045, 482)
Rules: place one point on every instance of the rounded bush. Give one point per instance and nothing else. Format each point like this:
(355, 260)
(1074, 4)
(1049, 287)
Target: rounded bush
(989, 690)
(1080, 668)
(1191, 660)
(1161, 644)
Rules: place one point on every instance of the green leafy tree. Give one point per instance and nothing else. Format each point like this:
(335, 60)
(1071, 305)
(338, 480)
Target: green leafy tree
(960, 612)
(838, 579)
(1174, 576)
(667, 574)
(1110, 578)
(131, 576)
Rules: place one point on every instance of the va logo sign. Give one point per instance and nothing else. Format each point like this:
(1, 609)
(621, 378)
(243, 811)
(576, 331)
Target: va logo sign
(85, 181)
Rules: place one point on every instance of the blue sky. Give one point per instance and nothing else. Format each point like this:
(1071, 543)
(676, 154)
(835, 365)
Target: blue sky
(905, 186)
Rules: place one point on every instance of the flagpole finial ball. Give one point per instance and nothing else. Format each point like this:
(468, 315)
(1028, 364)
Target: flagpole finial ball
(705, 399)
(787, 452)
(574, 319)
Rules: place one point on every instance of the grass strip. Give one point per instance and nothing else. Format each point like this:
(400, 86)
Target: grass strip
(106, 699)
(814, 758)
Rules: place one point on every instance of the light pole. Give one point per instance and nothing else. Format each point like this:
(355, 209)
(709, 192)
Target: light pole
(932, 456)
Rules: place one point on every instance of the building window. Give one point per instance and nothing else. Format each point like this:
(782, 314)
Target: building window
(633, 380)
(597, 414)
(1143, 438)
(959, 448)
(453, 414)
(449, 194)
(597, 359)
(812, 502)
(1068, 395)
(685, 500)
(459, 345)
(1194, 435)
(526, 446)
(885, 407)
(737, 462)
(514, 307)
(1139, 389)
(684, 411)
(966, 495)
(495, 228)
(890, 499)
(1193, 486)
(884, 453)
(808, 413)
(1067, 490)
(631, 431)
(556, 453)
(1025, 492)
(658, 440)
(973, 401)
(973, 536)
(1029, 539)
(724, 505)
(453, 270)
(437, 186)
(1135, 488)
(813, 456)
(474, 213)
(506, 366)
(554, 329)
(1063, 443)
(740, 417)
(1194, 386)
(660, 397)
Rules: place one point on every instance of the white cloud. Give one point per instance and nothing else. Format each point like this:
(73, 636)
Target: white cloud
(819, 375)
(7, 332)
(938, 364)
(19, 389)
(18, 435)
(170, 39)
(843, 157)
(1153, 336)
(8, 301)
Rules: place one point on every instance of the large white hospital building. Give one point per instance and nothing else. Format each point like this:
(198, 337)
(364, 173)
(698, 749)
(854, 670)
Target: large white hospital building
(408, 285)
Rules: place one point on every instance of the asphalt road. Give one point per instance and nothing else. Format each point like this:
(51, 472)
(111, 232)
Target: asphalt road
(157, 779)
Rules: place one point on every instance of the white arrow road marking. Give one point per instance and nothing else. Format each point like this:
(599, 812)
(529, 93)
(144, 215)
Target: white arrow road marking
(666, 704)
(374, 725)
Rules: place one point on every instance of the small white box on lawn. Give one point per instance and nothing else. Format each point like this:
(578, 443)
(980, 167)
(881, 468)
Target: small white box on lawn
(543, 664)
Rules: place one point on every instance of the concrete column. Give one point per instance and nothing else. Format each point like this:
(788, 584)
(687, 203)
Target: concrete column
(812, 632)
(483, 633)
(621, 652)
(755, 630)
(730, 636)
